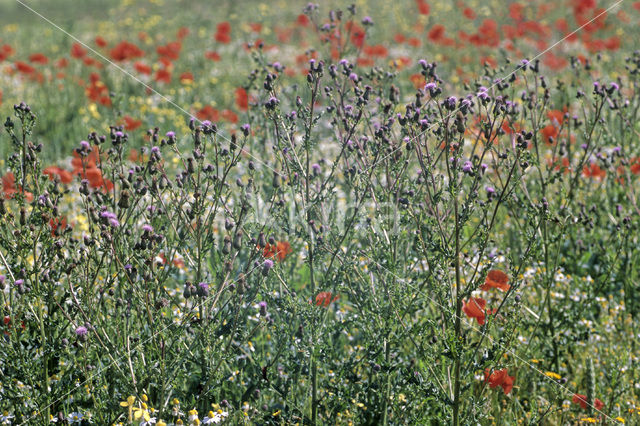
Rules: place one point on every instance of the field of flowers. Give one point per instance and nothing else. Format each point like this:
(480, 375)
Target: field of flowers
(281, 212)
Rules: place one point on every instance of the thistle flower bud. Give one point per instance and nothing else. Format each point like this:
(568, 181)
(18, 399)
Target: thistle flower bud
(226, 247)
(237, 241)
(276, 180)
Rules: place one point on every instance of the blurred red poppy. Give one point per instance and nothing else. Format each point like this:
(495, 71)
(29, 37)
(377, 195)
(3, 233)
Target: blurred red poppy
(163, 75)
(582, 401)
(142, 68)
(100, 42)
(496, 279)
(62, 174)
(499, 378)
(77, 51)
(325, 298)
(24, 68)
(38, 58)
(214, 56)
(281, 249)
(5, 51)
(130, 123)
(125, 50)
(423, 7)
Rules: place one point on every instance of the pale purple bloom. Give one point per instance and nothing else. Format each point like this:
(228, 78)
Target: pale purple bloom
(266, 266)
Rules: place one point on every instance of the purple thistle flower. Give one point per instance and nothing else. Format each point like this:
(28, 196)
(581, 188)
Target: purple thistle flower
(266, 267)
(467, 167)
(171, 135)
(147, 228)
(263, 308)
(203, 289)
(353, 76)
(430, 86)
(85, 145)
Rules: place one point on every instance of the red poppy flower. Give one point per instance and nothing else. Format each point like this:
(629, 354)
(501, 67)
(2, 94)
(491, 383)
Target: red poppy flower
(6, 51)
(223, 38)
(302, 20)
(229, 116)
(475, 308)
(357, 33)
(436, 33)
(125, 50)
(130, 123)
(100, 42)
(223, 31)
(57, 223)
(62, 174)
(499, 378)
(556, 116)
(163, 75)
(9, 187)
(242, 99)
(325, 298)
(214, 56)
(77, 51)
(594, 171)
(186, 77)
(496, 279)
(549, 132)
(423, 7)
(469, 13)
(182, 33)
(224, 27)
(142, 68)
(582, 400)
(208, 113)
(281, 249)
(170, 51)
(38, 58)
(24, 68)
